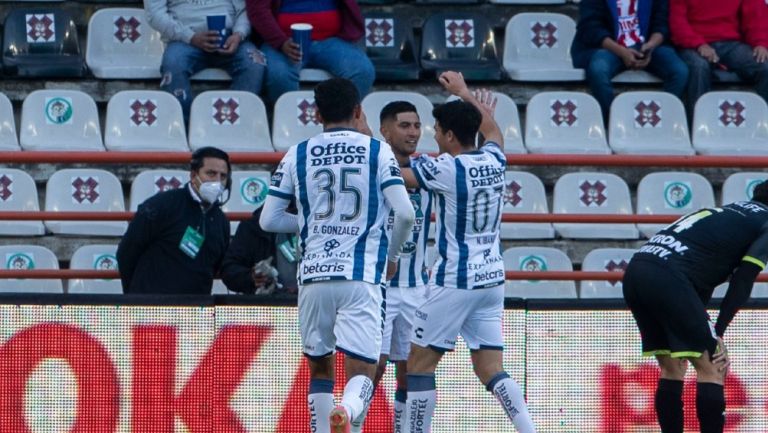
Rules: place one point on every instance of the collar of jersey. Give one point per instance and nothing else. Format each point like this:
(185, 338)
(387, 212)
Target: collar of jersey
(339, 129)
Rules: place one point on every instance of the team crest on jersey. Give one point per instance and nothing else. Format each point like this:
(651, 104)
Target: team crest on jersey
(58, 111)
(532, 263)
(544, 35)
(615, 266)
(460, 33)
(85, 190)
(592, 193)
(127, 29)
(512, 194)
(732, 114)
(166, 183)
(41, 28)
(19, 261)
(564, 113)
(5, 187)
(379, 32)
(416, 203)
(104, 262)
(647, 114)
(253, 191)
(408, 248)
(677, 195)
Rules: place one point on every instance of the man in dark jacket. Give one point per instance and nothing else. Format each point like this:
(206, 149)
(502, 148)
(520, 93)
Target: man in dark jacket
(177, 239)
(615, 35)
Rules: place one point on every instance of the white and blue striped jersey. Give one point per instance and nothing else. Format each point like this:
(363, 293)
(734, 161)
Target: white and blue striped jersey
(469, 190)
(411, 269)
(337, 179)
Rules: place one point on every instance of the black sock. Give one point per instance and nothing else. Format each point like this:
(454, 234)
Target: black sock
(669, 405)
(710, 407)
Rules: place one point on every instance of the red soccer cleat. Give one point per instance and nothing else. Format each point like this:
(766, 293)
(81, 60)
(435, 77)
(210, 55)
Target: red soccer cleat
(339, 420)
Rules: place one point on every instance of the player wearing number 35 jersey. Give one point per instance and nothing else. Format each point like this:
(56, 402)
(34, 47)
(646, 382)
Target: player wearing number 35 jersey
(344, 184)
(668, 284)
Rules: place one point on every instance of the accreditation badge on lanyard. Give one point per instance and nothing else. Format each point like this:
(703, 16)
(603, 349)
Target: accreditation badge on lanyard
(191, 242)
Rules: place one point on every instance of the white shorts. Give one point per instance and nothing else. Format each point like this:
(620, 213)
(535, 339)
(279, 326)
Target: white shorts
(473, 314)
(341, 315)
(402, 303)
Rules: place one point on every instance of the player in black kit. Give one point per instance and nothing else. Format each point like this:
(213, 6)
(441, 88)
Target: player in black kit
(668, 284)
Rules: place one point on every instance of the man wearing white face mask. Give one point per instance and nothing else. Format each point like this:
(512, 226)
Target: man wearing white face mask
(177, 239)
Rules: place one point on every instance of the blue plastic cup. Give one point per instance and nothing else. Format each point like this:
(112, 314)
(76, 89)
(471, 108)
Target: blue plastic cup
(218, 23)
(302, 35)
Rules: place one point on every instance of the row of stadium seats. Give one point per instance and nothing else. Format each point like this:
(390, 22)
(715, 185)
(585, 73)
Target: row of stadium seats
(371, 2)
(556, 122)
(94, 190)
(102, 257)
(122, 45)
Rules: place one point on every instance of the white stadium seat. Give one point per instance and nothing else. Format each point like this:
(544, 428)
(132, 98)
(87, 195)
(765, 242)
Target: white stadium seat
(85, 190)
(375, 101)
(18, 192)
(529, 2)
(564, 122)
(608, 260)
(145, 121)
(28, 257)
(730, 123)
(60, 120)
(231, 120)
(95, 257)
(538, 259)
(249, 190)
(9, 141)
(306, 75)
(524, 193)
(294, 119)
(537, 47)
(739, 186)
(593, 193)
(671, 192)
(121, 44)
(508, 119)
(649, 123)
(150, 182)
(636, 76)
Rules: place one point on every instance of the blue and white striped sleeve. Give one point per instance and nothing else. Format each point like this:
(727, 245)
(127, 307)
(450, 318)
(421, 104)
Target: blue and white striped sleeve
(435, 174)
(389, 170)
(281, 185)
(495, 150)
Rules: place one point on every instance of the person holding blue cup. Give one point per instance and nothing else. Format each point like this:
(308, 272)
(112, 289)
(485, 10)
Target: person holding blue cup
(218, 24)
(301, 33)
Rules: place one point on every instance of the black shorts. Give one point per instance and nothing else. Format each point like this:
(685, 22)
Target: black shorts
(671, 317)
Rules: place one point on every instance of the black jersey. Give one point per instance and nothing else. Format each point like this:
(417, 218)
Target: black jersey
(707, 245)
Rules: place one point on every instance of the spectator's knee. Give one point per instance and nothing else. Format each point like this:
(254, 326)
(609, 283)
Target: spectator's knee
(599, 70)
(698, 65)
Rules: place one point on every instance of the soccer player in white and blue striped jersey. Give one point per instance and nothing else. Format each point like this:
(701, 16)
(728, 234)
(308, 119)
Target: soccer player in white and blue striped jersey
(468, 278)
(345, 184)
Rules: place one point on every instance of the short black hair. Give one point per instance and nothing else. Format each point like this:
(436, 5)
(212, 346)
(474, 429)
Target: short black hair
(760, 193)
(198, 159)
(336, 99)
(461, 118)
(391, 110)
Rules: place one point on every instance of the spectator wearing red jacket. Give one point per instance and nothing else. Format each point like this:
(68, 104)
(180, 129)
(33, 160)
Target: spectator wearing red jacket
(725, 34)
(337, 26)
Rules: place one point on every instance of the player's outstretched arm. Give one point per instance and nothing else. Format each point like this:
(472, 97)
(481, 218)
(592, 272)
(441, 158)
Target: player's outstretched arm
(483, 100)
(275, 217)
(398, 199)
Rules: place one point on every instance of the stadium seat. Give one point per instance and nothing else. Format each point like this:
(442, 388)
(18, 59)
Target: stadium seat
(60, 120)
(593, 193)
(730, 123)
(671, 192)
(121, 44)
(636, 76)
(145, 121)
(391, 46)
(649, 123)
(538, 259)
(231, 120)
(9, 141)
(306, 75)
(508, 119)
(460, 41)
(375, 101)
(18, 193)
(524, 193)
(249, 190)
(529, 2)
(293, 119)
(85, 190)
(609, 260)
(28, 257)
(739, 186)
(41, 42)
(564, 122)
(150, 182)
(537, 47)
(95, 257)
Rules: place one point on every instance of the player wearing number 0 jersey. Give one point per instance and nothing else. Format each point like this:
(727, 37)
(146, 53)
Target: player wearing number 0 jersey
(669, 282)
(466, 289)
(344, 183)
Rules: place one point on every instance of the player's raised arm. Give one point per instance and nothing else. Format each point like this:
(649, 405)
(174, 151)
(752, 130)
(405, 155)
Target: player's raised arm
(483, 100)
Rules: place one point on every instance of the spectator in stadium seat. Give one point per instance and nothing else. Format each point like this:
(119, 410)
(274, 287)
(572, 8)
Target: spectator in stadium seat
(177, 238)
(191, 47)
(337, 26)
(616, 35)
(724, 34)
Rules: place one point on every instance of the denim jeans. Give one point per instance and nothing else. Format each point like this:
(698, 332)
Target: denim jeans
(339, 57)
(182, 60)
(737, 57)
(664, 63)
